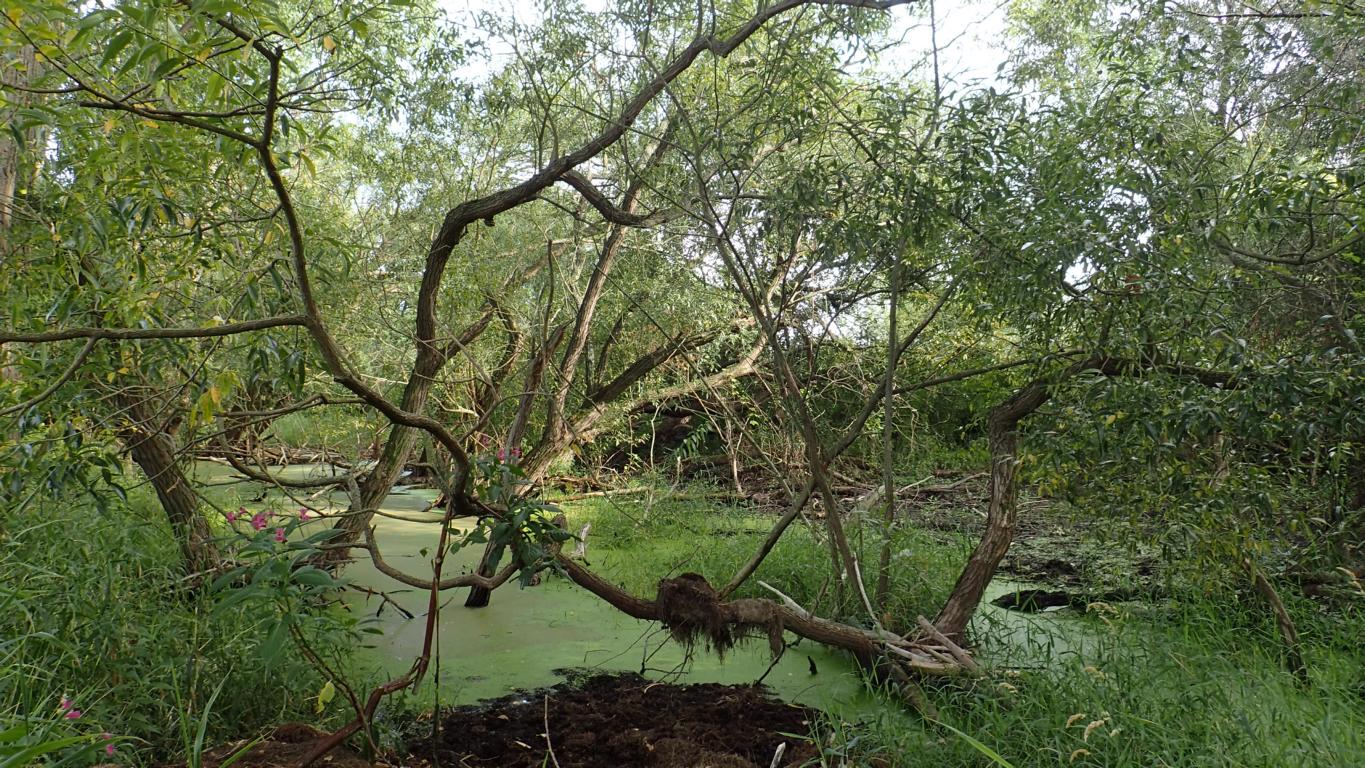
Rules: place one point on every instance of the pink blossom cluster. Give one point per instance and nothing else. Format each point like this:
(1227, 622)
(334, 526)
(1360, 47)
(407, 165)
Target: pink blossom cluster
(261, 520)
(69, 712)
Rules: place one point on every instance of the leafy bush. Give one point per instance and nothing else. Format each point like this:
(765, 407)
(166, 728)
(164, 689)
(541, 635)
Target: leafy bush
(94, 609)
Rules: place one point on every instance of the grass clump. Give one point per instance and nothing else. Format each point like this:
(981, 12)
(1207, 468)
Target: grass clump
(1184, 684)
(637, 540)
(94, 610)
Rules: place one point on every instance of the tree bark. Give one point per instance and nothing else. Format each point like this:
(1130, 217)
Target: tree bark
(155, 452)
(21, 69)
(1289, 633)
(1002, 427)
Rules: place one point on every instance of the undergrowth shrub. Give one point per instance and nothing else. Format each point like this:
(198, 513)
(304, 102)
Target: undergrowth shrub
(94, 609)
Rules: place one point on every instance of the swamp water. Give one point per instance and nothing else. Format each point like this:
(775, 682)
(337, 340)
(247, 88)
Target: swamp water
(527, 637)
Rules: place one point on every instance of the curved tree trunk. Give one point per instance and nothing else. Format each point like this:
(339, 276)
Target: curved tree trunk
(154, 451)
(1003, 430)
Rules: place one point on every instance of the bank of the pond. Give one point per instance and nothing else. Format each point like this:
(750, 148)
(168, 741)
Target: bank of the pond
(601, 720)
(1185, 682)
(528, 637)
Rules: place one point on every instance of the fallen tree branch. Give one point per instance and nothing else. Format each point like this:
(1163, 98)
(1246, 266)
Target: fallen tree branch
(692, 611)
(600, 494)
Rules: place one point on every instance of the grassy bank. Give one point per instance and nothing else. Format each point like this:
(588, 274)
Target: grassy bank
(94, 609)
(1193, 681)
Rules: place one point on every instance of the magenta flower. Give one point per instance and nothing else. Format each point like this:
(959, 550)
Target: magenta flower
(67, 703)
(109, 749)
(231, 516)
(72, 714)
(279, 535)
(258, 521)
(502, 454)
(303, 514)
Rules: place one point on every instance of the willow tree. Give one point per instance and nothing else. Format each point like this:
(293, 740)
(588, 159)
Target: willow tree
(243, 97)
(694, 193)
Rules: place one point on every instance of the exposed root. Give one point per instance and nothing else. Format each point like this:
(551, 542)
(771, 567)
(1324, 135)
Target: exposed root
(693, 613)
(689, 608)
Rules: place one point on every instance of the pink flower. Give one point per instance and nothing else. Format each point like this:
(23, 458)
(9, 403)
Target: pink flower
(303, 514)
(67, 703)
(279, 535)
(232, 516)
(502, 454)
(258, 521)
(72, 714)
(109, 749)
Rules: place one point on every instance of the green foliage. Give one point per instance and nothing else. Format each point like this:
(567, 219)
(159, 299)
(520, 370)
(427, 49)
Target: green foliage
(1191, 684)
(639, 540)
(1260, 468)
(527, 527)
(96, 609)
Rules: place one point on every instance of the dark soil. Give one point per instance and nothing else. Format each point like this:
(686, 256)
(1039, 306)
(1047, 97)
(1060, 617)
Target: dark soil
(283, 748)
(604, 721)
(622, 720)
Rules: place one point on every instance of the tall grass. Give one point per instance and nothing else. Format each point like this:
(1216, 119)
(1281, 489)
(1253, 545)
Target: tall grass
(93, 608)
(638, 540)
(1188, 685)
(1196, 681)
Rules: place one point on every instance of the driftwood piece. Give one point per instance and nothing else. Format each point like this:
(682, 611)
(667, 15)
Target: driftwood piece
(580, 550)
(1289, 633)
(957, 652)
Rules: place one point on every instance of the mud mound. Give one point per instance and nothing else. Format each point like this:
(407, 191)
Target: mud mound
(623, 720)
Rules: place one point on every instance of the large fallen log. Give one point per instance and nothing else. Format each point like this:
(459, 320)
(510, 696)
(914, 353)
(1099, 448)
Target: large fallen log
(689, 607)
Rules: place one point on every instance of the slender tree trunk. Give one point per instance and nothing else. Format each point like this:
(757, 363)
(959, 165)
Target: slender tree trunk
(556, 427)
(387, 468)
(1289, 633)
(401, 441)
(154, 451)
(20, 69)
(888, 437)
(1002, 425)
(604, 402)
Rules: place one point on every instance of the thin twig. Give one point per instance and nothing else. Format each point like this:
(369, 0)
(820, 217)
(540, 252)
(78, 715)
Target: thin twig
(548, 745)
